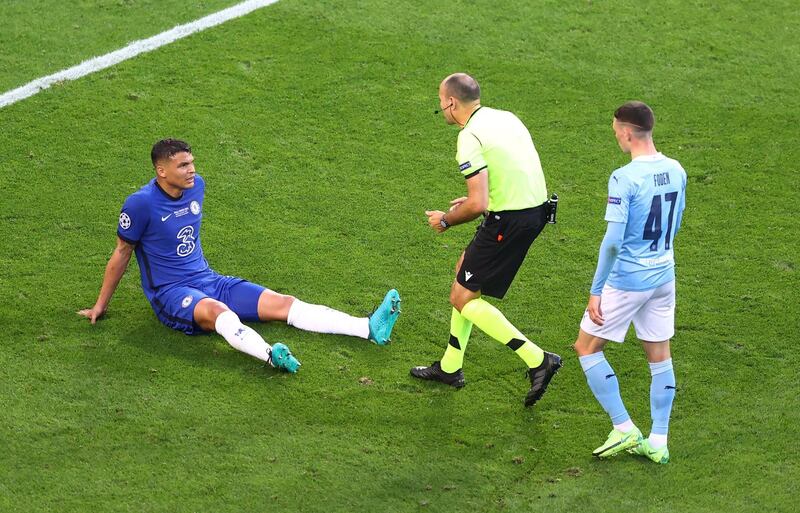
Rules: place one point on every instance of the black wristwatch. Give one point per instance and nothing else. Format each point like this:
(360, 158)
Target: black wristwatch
(444, 223)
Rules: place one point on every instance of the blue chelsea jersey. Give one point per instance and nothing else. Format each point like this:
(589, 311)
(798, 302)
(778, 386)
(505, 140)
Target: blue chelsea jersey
(166, 232)
(649, 196)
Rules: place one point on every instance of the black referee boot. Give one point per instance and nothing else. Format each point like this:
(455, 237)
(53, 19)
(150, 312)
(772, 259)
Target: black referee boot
(540, 377)
(435, 373)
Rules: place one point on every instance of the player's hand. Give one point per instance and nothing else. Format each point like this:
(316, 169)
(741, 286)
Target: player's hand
(93, 313)
(435, 220)
(595, 312)
(456, 202)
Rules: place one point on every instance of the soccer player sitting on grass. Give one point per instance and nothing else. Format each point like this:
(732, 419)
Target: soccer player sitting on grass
(161, 224)
(635, 282)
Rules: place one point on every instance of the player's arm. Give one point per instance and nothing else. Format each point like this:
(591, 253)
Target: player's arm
(681, 207)
(114, 270)
(609, 249)
(464, 209)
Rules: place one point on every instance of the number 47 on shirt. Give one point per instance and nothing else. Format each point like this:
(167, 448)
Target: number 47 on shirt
(652, 227)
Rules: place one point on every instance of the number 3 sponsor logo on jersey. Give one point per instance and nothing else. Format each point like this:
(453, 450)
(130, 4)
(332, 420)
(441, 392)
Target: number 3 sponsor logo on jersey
(186, 236)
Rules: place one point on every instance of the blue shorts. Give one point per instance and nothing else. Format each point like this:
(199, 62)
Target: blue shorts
(174, 305)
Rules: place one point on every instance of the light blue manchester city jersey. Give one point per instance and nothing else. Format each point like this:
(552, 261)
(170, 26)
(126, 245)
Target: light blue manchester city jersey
(649, 196)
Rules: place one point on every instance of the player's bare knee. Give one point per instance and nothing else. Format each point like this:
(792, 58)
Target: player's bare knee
(454, 300)
(286, 302)
(457, 300)
(656, 352)
(587, 344)
(580, 348)
(273, 306)
(207, 311)
(280, 301)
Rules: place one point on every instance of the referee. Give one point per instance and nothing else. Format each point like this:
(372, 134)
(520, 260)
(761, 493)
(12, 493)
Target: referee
(505, 183)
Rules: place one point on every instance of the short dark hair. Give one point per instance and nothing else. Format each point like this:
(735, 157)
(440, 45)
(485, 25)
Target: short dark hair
(463, 87)
(637, 114)
(166, 148)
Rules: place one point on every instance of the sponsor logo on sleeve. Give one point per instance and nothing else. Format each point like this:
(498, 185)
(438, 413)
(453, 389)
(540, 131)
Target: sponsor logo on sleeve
(613, 200)
(124, 221)
(465, 165)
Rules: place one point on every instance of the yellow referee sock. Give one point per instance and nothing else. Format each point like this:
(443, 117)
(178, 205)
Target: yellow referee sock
(460, 328)
(492, 322)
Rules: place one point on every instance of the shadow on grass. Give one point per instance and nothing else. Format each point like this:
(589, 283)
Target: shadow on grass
(156, 342)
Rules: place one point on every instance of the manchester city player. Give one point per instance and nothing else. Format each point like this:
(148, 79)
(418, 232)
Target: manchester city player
(503, 175)
(161, 224)
(635, 282)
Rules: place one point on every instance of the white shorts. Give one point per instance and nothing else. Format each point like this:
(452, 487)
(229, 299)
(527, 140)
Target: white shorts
(651, 311)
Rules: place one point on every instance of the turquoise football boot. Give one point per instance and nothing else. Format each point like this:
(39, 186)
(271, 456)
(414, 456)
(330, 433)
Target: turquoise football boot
(281, 358)
(382, 320)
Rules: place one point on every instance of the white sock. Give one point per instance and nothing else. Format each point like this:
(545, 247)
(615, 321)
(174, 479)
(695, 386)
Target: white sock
(657, 441)
(241, 337)
(322, 319)
(625, 426)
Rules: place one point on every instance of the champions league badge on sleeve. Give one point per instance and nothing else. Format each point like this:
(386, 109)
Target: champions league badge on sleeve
(124, 221)
(186, 301)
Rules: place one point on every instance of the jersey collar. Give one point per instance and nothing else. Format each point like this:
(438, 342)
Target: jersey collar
(649, 158)
(162, 191)
(472, 115)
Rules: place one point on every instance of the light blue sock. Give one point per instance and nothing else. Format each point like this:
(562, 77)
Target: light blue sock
(604, 385)
(662, 392)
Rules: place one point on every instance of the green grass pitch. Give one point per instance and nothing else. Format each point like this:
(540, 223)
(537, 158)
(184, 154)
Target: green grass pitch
(312, 124)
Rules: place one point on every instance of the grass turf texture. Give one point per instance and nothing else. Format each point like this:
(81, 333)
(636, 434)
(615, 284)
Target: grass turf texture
(312, 125)
(42, 37)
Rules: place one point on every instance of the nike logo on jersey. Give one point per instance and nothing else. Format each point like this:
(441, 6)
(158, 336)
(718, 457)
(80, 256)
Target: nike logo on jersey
(467, 275)
(164, 218)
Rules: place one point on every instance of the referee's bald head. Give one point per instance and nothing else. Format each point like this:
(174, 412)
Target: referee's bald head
(462, 86)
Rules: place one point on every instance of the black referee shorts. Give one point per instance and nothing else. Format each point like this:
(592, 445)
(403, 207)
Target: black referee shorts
(494, 256)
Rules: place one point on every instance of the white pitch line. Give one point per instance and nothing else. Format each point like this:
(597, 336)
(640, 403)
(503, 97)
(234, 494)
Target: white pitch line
(132, 50)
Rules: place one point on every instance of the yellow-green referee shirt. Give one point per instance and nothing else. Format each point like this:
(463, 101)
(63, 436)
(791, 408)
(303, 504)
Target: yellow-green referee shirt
(497, 141)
